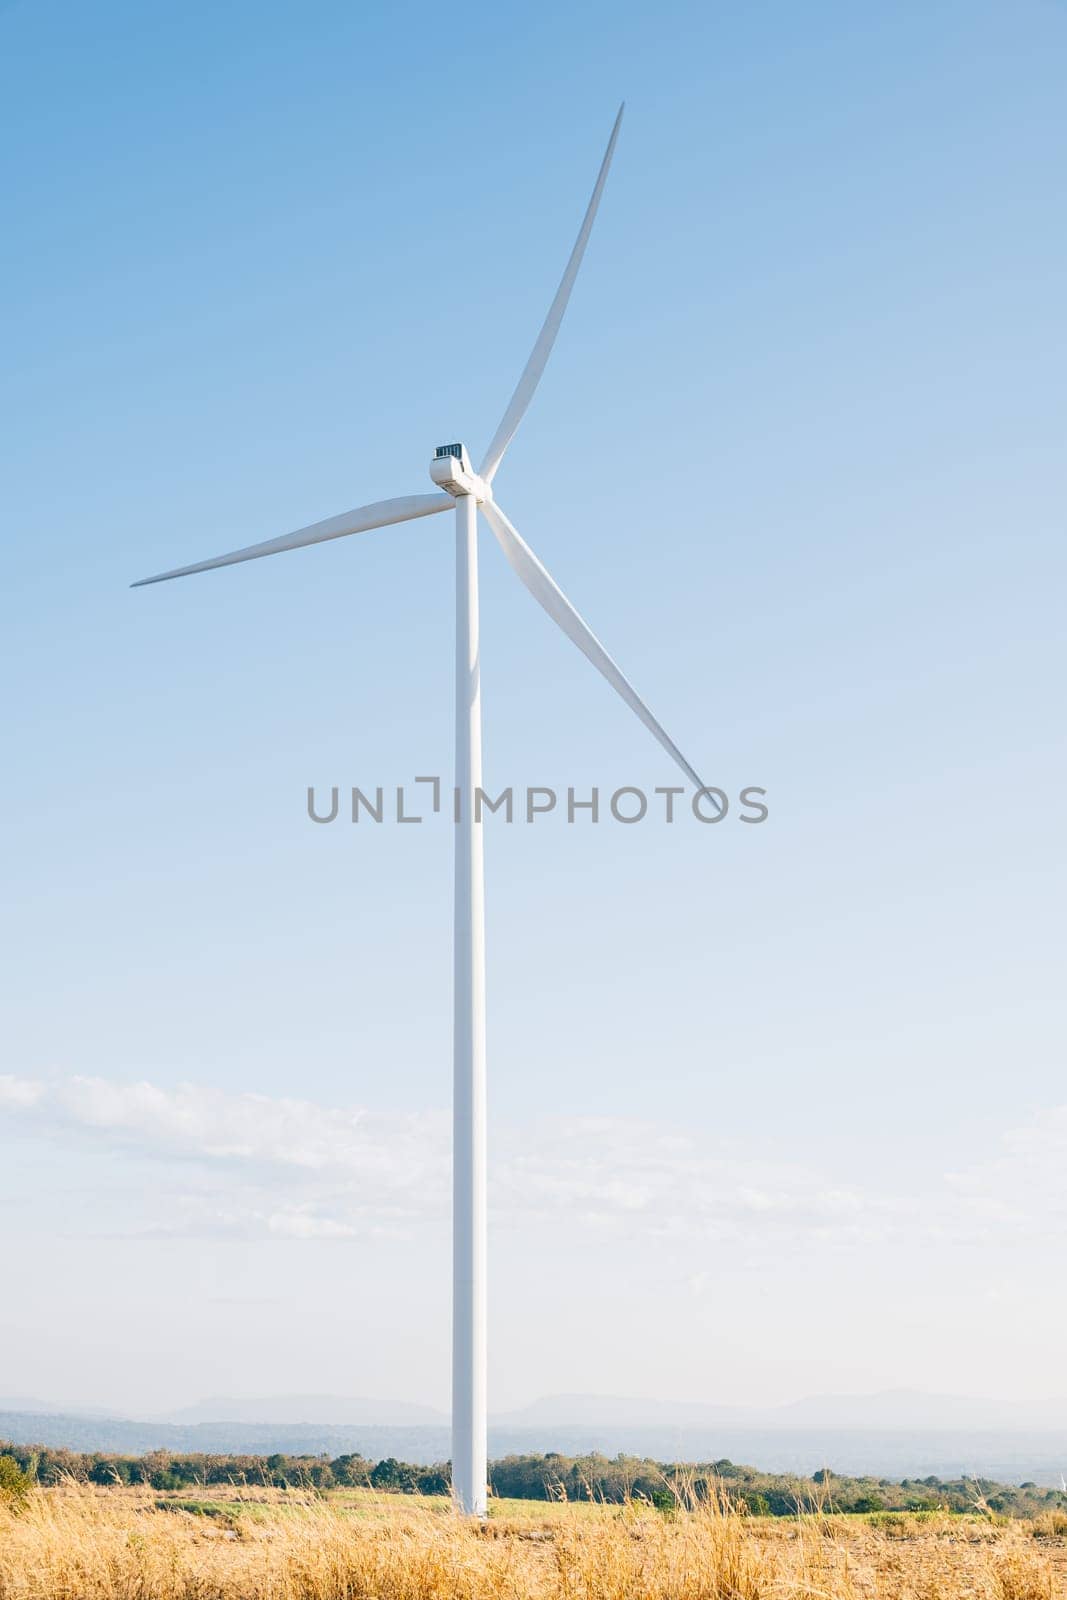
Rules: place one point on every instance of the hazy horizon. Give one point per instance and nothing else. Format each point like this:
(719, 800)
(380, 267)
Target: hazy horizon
(904, 1409)
(947, 1447)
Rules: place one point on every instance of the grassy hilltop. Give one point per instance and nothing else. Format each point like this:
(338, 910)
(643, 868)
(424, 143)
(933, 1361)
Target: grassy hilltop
(79, 1541)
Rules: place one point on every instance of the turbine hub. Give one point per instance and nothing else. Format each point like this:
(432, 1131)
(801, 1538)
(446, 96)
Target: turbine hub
(451, 470)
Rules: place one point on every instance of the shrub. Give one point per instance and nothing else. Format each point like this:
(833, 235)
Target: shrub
(14, 1484)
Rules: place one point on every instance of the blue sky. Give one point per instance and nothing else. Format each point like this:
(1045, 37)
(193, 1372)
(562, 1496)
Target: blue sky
(794, 1091)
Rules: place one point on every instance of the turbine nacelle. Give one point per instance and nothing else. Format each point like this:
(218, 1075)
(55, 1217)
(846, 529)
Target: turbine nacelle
(451, 470)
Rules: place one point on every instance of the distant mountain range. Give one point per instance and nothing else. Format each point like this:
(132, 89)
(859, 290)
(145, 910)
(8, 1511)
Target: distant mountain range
(889, 1408)
(896, 1433)
(325, 1409)
(45, 1408)
(892, 1409)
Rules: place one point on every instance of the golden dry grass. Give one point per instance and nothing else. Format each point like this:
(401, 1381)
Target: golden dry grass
(78, 1544)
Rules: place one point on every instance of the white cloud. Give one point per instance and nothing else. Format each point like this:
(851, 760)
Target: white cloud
(19, 1094)
(1024, 1186)
(214, 1124)
(257, 1166)
(279, 1168)
(616, 1171)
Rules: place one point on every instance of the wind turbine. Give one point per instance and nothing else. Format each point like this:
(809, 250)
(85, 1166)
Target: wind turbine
(466, 493)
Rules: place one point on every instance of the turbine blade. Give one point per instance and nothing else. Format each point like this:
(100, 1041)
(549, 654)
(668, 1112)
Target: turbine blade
(378, 515)
(548, 594)
(531, 376)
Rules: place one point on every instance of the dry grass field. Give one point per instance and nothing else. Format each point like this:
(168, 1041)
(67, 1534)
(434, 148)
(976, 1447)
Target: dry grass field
(74, 1543)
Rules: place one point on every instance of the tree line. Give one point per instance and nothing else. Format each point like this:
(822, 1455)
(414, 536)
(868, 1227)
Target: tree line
(163, 1470)
(613, 1480)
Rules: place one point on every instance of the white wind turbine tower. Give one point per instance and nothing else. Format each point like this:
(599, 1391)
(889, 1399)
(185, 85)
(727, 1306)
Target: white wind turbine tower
(467, 493)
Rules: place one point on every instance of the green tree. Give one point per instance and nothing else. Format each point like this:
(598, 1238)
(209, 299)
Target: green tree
(393, 1474)
(434, 1480)
(351, 1470)
(14, 1484)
